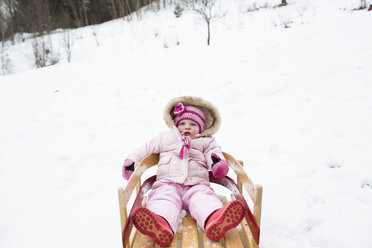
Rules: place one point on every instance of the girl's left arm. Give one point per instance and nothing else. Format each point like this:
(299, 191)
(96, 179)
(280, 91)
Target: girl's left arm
(213, 153)
(215, 160)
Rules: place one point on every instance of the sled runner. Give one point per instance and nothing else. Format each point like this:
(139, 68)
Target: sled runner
(246, 234)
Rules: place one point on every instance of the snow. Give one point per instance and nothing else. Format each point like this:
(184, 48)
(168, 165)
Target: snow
(296, 105)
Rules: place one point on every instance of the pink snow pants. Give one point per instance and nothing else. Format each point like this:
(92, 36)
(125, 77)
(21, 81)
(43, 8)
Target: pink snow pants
(167, 199)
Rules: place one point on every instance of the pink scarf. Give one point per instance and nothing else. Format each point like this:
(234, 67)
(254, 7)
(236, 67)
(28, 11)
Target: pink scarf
(186, 143)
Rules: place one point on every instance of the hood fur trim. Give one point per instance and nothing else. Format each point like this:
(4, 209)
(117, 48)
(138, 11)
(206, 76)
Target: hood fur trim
(212, 120)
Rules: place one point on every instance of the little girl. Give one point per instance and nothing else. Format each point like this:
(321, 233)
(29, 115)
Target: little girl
(186, 153)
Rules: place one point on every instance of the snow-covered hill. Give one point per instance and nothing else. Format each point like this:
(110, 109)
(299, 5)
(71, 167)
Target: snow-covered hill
(296, 105)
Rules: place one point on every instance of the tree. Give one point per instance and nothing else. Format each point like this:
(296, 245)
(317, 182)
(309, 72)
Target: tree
(178, 11)
(6, 22)
(204, 8)
(5, 62)
(68, 42)
(43, 52)
(363, 4)
(32, 16)
(42, 16)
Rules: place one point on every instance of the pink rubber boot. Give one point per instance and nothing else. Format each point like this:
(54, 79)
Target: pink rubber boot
(223, 219)
(153, 225)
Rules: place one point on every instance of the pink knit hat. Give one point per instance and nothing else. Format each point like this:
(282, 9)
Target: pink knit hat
(183, 112)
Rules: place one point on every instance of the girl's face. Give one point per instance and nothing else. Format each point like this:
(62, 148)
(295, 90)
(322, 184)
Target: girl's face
(188, 127)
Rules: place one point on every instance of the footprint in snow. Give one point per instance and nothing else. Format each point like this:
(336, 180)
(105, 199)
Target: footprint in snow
(367, 184)
(334, 165)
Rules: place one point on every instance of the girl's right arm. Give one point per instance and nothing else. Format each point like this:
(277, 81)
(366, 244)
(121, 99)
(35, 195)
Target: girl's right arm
(152, 146)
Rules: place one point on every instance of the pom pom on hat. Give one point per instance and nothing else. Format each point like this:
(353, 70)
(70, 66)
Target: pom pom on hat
(183, 112)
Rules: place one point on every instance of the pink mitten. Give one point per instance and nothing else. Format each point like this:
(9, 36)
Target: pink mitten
(220, 167)
(128, 168)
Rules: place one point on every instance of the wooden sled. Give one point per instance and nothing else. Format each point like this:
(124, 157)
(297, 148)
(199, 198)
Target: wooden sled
(246, 234)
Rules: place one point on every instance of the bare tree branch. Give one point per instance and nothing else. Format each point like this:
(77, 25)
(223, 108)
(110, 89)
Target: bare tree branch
(204, 9)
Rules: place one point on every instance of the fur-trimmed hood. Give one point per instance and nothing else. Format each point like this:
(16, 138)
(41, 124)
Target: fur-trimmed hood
(212, 116)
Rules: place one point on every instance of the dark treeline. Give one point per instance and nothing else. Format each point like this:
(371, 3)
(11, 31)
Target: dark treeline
(39, 16)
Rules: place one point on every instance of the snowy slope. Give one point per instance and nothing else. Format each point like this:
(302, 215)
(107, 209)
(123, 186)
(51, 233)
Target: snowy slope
(296, 105)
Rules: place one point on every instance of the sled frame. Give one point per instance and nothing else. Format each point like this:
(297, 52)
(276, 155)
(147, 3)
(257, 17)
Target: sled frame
(245, 235)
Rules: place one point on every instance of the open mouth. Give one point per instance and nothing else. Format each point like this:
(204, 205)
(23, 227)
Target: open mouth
(187, 133)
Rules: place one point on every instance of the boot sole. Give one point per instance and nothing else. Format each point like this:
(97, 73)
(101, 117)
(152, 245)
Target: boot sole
(230, 217)
(145, 221)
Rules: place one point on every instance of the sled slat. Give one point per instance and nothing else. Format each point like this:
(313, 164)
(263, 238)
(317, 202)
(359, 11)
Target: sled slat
(258, 205)
(239, 183)
(209, 243)
(189, 232)
(143, 241)
(174, 243)
(232, 239)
